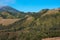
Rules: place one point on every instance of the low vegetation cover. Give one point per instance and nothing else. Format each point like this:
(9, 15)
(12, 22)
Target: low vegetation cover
(32, 25)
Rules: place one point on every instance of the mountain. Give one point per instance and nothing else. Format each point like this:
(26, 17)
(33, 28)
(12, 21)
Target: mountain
(9, 9)
(10, 12)
(30, 25)
(52, 12)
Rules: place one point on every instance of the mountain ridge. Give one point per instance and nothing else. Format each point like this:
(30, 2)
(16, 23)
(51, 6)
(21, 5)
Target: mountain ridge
(30, 25)
(12, 12)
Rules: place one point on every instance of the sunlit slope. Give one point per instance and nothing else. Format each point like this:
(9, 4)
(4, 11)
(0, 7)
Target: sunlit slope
(8, 21)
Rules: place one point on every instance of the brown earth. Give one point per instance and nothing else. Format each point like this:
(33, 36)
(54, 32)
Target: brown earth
(7, 21)
(55, 38)
(50, 12)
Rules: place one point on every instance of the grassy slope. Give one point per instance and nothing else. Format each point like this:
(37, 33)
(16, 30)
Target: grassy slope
(8, 21)
(33, 28)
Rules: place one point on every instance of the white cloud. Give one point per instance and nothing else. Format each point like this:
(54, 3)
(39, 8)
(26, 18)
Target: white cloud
(6, 2)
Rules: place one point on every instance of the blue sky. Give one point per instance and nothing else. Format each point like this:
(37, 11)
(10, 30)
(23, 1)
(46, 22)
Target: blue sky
(32, 5)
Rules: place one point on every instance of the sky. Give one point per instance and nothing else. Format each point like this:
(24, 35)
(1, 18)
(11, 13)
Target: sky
(31, 5)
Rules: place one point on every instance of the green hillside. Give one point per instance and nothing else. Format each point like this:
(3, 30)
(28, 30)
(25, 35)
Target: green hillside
(33, 26)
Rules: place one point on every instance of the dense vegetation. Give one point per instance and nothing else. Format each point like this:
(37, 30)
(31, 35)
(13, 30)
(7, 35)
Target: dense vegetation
(33, 26)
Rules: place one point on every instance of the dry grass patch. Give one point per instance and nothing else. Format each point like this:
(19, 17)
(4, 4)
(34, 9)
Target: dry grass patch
(55, 38)
(8, 21)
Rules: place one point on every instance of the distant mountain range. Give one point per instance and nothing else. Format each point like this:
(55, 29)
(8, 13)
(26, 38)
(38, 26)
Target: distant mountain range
(11, 13)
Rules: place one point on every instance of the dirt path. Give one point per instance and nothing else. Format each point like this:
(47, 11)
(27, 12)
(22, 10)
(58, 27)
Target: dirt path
(55, 38)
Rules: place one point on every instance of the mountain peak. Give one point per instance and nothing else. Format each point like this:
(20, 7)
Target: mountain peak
(3, 6)
(8, 9)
